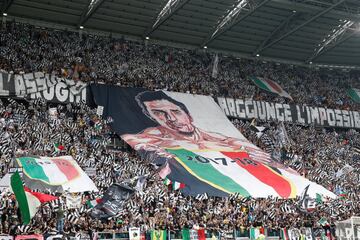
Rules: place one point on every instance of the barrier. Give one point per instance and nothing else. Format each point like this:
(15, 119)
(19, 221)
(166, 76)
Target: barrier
(6, 237)
(239, 234)
(271, 234)
(30, 237)
(55, 237)
(113, 235)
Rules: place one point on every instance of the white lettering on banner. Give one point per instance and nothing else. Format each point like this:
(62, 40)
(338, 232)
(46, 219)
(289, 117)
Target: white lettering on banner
(338, 117)
(250, 109)
(231, 107)
(331, 117)
(299, 117)
(356, 119)
(308, 115)
(322, 115)
(319, 116)
(30, 82)
(279, 114)
(240, 108)
(287, 113)
(41, 85)
(61, 92)
(261, 110)
(314, 115)
(41, 81)
(4, 81)
(20, 89)
(351, 119)
(346, 118)
(48, 94)
(223, 105)
(270, 107)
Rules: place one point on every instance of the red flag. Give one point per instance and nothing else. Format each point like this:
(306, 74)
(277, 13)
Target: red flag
(201, 234)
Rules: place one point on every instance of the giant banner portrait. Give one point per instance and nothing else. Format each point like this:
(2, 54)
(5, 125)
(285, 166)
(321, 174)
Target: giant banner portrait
(301, 114)
(197, 145)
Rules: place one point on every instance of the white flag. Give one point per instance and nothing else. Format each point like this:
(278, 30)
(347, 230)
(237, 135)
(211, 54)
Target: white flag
(134, 233)
(215, 67)
(344, 170)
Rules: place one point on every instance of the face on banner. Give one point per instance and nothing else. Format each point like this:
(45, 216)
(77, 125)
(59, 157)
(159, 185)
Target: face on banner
(176, 127)
(170, 115)
(203, 150)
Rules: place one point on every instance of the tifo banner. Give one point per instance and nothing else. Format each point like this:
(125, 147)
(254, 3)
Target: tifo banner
(112, 202)
(41, 85)
(57, 174)
(197, 145)
(318, 116)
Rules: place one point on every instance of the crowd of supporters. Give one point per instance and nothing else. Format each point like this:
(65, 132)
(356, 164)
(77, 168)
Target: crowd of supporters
(26, 48)
(27, 128)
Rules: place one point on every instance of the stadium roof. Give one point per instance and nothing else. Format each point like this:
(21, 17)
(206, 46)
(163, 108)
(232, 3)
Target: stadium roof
(319, 31)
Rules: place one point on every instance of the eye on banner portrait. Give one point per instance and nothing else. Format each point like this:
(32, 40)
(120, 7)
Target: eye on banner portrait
(199, 147)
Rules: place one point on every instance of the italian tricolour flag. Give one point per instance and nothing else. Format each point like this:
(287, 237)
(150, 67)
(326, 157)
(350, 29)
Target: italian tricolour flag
(354, 93)
(28, 201)
(177, 185)
(270, 86)
(58, 147)
(55, 173)
(93, 203)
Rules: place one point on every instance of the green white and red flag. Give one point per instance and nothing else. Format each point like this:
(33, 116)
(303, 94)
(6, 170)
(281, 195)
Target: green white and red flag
(167, 181)
(354, 93)
(270, 86)
(28, 201)
(177, 185)
(58, 147)
(93, 203)
(55, 173)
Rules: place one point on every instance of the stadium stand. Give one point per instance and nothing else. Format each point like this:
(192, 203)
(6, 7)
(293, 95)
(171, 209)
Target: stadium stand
(39, 128)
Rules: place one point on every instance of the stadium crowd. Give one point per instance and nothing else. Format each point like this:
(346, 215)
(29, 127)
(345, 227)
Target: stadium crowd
(25, 48)
(85, 137)
(27, 128)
